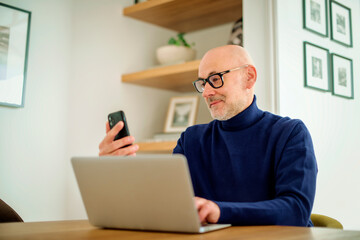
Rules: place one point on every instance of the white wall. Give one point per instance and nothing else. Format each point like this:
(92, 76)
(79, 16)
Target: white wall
(333, 121)
(258, 42)
(78, 51)
(33, 138)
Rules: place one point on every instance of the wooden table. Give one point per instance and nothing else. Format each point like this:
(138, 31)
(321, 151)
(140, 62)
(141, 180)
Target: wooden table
(81, 229)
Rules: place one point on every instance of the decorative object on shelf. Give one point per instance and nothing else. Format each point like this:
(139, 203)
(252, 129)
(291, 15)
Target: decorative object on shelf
(181, 113)
(177, 51)
(236, 37)
(340, 24)
(14, 44)
(342, 75)
(166, 136)
(316, 67)
(315, 16)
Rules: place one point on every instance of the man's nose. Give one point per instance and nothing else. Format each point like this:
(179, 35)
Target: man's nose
(208, 90)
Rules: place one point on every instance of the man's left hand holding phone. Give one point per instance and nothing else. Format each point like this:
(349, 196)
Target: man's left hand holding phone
(116, 127)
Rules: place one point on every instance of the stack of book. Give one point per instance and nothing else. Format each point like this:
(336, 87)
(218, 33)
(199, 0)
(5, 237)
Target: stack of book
(166, 136)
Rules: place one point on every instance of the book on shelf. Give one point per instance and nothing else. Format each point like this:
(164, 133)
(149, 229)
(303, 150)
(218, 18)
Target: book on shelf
(163, 137)
(167, 136)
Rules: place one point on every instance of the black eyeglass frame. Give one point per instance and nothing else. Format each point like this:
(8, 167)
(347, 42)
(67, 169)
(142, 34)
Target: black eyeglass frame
(220, 74)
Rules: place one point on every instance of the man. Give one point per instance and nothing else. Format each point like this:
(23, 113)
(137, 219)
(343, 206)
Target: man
(248, 167)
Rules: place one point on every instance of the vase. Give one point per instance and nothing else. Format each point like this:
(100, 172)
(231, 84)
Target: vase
(172, 54)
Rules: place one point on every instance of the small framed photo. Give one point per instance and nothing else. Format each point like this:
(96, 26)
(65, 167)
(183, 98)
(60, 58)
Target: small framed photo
(181, 113)
(14, 42)
(342, 75)
(340, 24)
(316, 67)
(315, 16)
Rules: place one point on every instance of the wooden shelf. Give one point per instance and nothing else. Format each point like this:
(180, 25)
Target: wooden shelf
(157, 147)
(181, 16)
(178, 77)
(186, 15)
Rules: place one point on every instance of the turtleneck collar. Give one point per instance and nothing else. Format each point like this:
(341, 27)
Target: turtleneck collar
(244, 119)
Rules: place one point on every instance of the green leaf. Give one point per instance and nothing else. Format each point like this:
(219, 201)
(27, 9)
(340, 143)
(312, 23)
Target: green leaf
(172, 41)
(180, 41)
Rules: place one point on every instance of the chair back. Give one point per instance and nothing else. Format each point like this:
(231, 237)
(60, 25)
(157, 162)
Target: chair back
(7, 214)
(325, 221)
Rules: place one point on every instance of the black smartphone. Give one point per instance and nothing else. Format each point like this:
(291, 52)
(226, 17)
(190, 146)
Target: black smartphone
(114, 118)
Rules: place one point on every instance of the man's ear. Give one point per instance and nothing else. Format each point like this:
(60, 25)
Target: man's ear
(251, 76)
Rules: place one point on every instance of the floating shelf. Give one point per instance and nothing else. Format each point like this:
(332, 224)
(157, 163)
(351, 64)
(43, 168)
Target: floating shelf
(157, 147)
(178, 77)
(186, 15)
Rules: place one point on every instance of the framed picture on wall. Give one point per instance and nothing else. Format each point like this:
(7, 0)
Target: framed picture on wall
(340, 24)
(342, 75)
(315, 16)
(316, 67)
(14, 42)
(181, 113)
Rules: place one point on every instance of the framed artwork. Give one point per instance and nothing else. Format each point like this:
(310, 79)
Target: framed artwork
(14, 44)
(340, 24)
(181, 113)
(316, 67)
(342, 75)
(315, 16)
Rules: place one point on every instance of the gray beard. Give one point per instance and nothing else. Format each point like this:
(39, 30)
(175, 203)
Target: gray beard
(231, 111)
(226, 116)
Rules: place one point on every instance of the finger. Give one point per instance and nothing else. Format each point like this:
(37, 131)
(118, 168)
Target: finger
(114, 131)
(109, 138)
(110, 148)
(213, 214)
(199, 202)
(107, 127)
(204, 212)
(127, 151)
(120, 143)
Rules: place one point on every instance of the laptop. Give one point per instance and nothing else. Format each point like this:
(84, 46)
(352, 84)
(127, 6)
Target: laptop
(146, 192)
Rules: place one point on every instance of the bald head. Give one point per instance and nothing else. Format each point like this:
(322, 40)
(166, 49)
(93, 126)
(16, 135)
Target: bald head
(226, 57)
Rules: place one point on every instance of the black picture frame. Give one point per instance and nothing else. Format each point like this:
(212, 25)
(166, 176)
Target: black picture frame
(340, 24)
(342, 76)
(315, 17)
(316, 67)
(14, 48)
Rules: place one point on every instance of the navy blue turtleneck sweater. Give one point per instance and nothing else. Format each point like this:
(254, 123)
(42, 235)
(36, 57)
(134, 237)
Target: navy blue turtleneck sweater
(259, 168)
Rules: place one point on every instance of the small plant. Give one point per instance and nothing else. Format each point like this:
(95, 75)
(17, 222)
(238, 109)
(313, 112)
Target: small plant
(180, 41)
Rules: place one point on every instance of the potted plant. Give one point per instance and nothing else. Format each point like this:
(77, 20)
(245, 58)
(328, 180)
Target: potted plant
(177, 51)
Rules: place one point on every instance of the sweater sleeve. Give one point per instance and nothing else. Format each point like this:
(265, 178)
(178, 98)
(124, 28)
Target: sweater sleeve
(295, 181)
(178, 148)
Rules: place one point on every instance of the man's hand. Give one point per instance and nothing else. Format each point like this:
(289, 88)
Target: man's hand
(110, 147)
(209, 212)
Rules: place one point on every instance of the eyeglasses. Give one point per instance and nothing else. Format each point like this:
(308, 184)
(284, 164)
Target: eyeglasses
(215, 80)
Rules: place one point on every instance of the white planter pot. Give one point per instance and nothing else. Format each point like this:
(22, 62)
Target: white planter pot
(171, 54)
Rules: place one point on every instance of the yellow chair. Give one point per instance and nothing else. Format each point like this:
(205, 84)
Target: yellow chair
(325, 221)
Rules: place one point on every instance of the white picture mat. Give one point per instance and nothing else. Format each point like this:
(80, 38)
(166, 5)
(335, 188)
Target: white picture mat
(345, 38)
(314, 25)
(312, 51)
(338, 63)
(11, 89)
(192, 101)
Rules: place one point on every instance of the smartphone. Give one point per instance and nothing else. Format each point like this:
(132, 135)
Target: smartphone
(114, 118)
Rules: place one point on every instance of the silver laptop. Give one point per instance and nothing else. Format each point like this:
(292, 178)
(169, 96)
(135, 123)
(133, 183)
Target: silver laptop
(146, 192)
